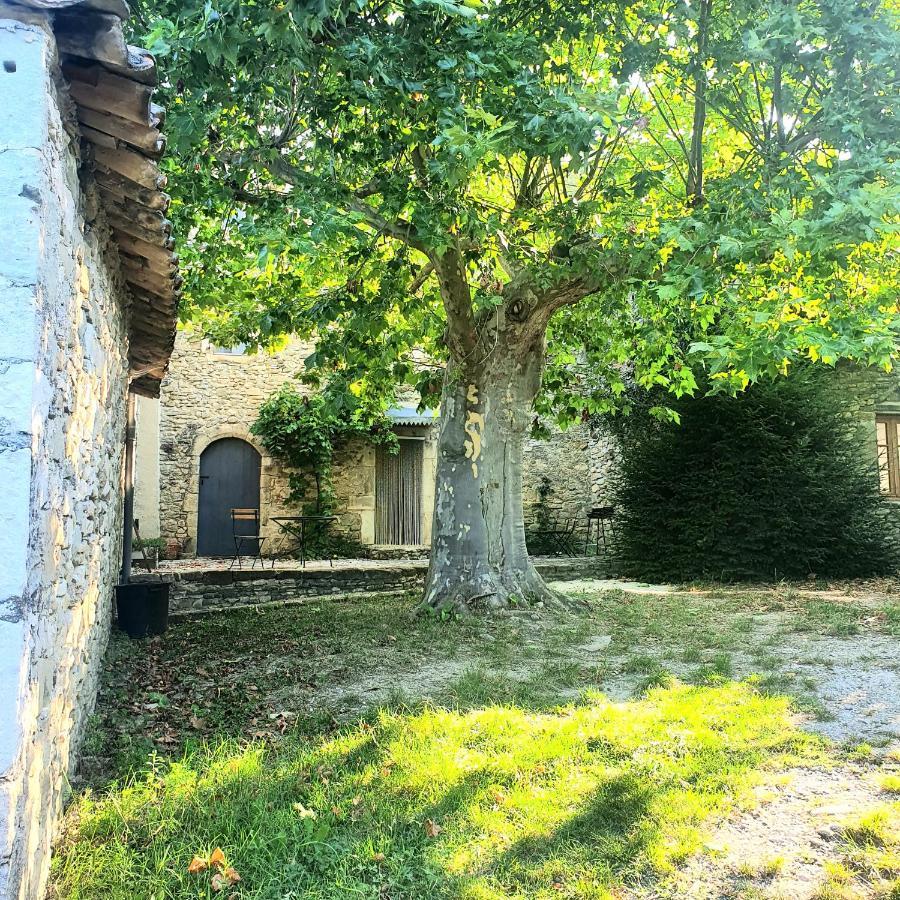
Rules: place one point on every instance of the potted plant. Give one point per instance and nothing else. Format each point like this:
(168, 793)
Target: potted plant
(150, 550)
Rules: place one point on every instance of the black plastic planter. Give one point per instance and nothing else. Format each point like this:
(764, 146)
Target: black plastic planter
(143, 607)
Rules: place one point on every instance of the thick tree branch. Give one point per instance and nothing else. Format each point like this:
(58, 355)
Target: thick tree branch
(421, 277)
(457, 296)
(534, 308)
(399, 229)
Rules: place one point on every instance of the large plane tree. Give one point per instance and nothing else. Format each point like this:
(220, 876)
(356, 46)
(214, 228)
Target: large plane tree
(527, 202)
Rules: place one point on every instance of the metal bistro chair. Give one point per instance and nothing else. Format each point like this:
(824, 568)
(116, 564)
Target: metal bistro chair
(596, 523)
(241, 535)
(559, 536)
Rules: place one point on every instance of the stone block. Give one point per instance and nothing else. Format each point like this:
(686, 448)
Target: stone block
(24, 200)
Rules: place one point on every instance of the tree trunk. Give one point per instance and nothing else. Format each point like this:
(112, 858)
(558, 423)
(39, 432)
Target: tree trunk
(478, 553)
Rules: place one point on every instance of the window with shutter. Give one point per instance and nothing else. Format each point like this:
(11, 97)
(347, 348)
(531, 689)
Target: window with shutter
(887, 430)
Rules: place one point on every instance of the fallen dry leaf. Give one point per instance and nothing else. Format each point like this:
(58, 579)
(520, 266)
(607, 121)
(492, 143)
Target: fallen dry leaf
(432, 829)
(217, 858)
(232, 875)
(198, 864)
(219, 882)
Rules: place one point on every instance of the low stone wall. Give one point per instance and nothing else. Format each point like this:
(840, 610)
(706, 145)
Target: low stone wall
(199, 590)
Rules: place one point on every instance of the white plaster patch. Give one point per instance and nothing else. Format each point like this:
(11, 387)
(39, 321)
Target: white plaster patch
(23, 49)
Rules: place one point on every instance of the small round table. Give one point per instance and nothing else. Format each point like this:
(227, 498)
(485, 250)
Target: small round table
(295, 527)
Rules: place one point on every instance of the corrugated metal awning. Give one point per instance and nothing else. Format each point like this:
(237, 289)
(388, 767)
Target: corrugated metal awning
(408, 414)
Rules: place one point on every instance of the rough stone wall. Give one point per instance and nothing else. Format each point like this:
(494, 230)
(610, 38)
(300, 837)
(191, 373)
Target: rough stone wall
(62, 386)
(209, 395)
(602, 461)
(196, 591)
(556, 479)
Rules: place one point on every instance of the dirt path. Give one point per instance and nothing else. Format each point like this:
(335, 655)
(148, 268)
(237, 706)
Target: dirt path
(786, 846)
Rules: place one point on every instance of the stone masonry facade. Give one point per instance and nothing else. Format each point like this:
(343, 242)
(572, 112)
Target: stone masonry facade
(211, 394)
(63, 377)
(873, 393)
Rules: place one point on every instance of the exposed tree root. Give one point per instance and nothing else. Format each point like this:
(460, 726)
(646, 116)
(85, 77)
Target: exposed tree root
(490, 592)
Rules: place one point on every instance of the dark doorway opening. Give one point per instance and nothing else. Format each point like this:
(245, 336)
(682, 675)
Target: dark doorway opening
(229, 479)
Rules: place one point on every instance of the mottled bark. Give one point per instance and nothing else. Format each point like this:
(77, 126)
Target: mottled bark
(478, 555)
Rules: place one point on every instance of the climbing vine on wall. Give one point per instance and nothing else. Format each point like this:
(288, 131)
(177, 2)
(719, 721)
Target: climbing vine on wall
(302, 431)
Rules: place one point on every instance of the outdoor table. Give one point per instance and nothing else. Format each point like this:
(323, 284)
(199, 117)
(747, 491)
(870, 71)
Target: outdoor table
(295, 527)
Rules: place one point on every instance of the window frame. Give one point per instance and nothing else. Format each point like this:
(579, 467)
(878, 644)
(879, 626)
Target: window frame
(891, 422)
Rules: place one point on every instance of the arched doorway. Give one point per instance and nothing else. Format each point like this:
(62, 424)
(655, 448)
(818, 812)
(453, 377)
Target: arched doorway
(229, 479)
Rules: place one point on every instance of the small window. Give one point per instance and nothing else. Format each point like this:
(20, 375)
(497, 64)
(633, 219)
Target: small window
(236, 350)
(888, 437)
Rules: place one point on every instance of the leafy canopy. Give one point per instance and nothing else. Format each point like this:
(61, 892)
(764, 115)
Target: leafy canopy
(707, 185)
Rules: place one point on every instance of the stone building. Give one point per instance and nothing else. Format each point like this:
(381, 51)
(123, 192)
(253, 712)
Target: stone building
(87, 310)
(208, 403)
(876, 412)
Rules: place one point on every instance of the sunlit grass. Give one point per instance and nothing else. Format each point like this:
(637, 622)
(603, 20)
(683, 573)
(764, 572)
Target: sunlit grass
(494, 802)
(869, 849)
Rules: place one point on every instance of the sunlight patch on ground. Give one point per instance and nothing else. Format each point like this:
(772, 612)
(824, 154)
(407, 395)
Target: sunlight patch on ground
(490, 803)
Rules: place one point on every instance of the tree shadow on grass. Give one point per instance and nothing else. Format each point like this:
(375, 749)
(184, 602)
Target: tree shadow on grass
(494, 802)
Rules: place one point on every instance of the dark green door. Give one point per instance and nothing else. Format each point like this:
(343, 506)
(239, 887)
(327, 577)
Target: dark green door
(229, 479)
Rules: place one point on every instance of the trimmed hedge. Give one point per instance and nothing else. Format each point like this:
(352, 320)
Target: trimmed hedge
(775, 483)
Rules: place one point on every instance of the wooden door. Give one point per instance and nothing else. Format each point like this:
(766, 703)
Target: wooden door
(398, 495)
(229, 479)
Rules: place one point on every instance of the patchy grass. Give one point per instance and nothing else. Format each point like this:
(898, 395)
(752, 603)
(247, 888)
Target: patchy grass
(492, 802)
(829, 617)
(248, 673)
(342, 748)
(870, 850)
(890, 784)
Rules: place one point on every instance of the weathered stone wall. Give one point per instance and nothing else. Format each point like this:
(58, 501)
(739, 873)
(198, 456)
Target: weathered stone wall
(556, 478)
(195, 591)
(62, 385)
(208, 395)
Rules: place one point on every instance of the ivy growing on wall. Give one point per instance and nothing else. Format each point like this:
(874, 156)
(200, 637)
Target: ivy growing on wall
(302, 432)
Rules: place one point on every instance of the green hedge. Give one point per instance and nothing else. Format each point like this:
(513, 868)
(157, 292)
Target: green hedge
(775, 483)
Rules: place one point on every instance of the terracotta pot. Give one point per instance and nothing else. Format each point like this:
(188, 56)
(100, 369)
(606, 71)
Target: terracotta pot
(172, 549)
